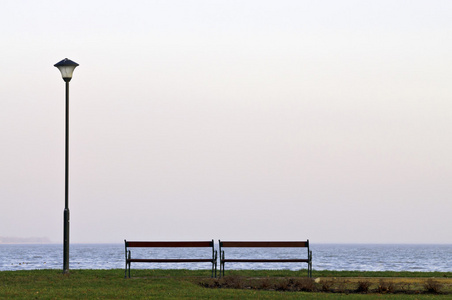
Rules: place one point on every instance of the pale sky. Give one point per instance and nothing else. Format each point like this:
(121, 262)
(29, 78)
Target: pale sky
(245, 120)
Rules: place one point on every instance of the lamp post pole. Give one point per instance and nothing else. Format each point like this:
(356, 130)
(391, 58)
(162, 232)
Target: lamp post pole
(66, 191)
(66, 68)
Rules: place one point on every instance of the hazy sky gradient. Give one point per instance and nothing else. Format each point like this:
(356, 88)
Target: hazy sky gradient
(254, 120)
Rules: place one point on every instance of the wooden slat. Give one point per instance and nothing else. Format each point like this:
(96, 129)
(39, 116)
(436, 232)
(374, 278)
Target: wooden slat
(149, 244)
(169, 260)
(264, 260)
(252, 244)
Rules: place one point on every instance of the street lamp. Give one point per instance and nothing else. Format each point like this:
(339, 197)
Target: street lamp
(66, 68)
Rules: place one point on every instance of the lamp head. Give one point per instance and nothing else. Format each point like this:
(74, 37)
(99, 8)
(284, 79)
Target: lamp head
(66, 67)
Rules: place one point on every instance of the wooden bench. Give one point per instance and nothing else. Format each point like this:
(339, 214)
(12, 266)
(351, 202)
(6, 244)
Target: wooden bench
(231, 244)
(151, 244)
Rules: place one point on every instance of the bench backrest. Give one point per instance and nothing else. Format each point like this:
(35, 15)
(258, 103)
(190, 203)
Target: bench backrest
(164, 244)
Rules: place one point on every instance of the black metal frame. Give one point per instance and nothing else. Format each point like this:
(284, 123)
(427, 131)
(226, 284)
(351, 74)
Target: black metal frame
(66, 189)
(255, 244)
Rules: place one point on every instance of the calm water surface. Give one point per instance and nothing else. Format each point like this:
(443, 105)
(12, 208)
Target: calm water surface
(422, 258)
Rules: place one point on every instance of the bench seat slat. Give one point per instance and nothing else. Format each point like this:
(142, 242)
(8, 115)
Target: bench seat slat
(264, 260)
(169, 260)
(238, 244)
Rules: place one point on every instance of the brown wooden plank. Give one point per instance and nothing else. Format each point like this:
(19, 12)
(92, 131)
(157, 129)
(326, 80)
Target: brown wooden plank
(169, 260)
(257, 244)
(164, 244)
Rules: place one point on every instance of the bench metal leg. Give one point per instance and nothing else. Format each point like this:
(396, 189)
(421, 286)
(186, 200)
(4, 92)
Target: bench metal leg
(222, 263)
(214, 268)
(127, 268)
(127, 254)
(215, 263)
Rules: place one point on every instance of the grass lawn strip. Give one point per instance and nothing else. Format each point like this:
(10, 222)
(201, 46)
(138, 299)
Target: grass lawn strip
(187, 284)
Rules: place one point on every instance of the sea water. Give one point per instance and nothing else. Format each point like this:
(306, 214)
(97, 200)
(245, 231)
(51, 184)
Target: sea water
(362, 257)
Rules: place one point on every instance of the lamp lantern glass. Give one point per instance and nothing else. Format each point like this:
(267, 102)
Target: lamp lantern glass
(66, 67)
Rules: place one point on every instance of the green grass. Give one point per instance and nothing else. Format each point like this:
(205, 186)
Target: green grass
(172, 284)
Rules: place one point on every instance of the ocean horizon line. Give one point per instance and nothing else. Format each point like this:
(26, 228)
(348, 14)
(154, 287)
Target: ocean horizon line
(216, 242)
